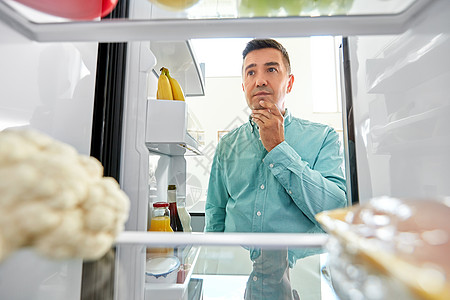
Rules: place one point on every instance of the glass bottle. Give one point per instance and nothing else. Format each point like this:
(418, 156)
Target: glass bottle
(161, 217)
(175, 221)
(160, 222)
(184, 215)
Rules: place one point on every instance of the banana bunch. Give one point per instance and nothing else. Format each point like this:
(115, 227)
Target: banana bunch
(168, 87)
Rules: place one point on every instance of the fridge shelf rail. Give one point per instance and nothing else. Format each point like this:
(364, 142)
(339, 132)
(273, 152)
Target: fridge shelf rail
(123, 30)
(263, 240)
(418, 147)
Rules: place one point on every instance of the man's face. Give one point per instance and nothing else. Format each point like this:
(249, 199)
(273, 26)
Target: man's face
(265, 77)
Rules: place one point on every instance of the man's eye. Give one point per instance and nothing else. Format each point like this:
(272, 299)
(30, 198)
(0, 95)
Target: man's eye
(272, 69)
(250, 73)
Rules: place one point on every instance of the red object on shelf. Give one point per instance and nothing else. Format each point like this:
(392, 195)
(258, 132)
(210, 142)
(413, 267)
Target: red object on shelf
(108, 6)
(73, 9)
(182, 273)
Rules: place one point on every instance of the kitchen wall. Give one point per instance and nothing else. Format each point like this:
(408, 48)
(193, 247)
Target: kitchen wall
(224, 108)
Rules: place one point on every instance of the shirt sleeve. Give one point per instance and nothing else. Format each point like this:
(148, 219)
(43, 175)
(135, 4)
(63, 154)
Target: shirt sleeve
(312, 188)
(216, 199)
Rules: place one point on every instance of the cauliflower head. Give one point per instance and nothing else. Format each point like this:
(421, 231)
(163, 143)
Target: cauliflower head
(56, 200)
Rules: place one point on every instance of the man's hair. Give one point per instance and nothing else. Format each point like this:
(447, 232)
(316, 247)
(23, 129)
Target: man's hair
(257, 44)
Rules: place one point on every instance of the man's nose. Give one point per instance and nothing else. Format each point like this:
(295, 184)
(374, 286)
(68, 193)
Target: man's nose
(261, 81)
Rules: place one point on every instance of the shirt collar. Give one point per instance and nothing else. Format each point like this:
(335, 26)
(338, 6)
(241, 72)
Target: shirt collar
(287, 120)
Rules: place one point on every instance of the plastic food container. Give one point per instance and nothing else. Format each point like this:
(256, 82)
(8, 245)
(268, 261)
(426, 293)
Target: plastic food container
(394, 248)
(162, 269)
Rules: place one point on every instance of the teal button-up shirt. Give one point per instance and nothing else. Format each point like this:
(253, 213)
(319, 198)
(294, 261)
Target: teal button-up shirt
(252, 190)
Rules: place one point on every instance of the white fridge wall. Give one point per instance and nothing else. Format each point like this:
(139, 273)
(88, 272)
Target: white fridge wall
(401, 106)
(135, 159)
(27, 275)
(144, 175)
(48, 87)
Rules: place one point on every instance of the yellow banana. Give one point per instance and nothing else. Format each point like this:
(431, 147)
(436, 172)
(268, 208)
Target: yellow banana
(176, 89)
(164, 88)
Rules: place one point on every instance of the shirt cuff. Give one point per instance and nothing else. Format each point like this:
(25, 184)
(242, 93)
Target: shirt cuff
(282, 157)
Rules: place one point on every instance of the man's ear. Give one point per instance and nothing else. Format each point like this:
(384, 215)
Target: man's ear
(290, 84)
(242, 84)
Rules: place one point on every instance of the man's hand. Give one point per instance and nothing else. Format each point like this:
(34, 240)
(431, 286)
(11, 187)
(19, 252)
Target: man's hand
(271, 124)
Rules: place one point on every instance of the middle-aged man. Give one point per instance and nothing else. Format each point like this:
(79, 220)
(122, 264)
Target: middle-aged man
(275, 172)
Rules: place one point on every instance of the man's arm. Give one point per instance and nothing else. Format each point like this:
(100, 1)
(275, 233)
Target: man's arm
(216, 199)
(312, 188)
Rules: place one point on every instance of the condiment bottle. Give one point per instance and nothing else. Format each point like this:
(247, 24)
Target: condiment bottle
(184, 215)
(161, 217)
(175, 221)
(160, 222)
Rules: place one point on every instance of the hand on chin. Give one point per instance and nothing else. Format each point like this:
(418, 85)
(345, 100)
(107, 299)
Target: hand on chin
(256, 105)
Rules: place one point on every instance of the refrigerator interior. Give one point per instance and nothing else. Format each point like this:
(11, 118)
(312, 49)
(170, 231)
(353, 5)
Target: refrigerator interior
(379, 173)
(48, 87)
(400, 105)
(220, 271)
(400, 108)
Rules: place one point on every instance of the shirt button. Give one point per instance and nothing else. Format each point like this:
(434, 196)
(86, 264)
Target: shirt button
(255, 278)
(262, 186)
(290, 192)
(258, 213)
(271, 165)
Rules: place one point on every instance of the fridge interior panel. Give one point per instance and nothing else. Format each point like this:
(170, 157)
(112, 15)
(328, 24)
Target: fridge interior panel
(179, 58)
(48, 87)
(154, 130)
(225, 260)
(400, 75)
(223, 264)
(29, 275)
(206, 9)
(401, 107)
(379, 18)
(135, 155)
(396, 69)
(155, 141)
(165, 170)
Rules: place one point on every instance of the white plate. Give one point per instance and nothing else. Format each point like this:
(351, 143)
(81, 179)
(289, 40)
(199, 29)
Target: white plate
(162, 269)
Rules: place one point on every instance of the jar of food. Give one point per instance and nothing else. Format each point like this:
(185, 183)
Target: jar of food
(161, 217)
(160, 222)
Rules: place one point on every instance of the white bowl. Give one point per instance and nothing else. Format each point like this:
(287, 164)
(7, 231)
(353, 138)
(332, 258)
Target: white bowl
(162, 269)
